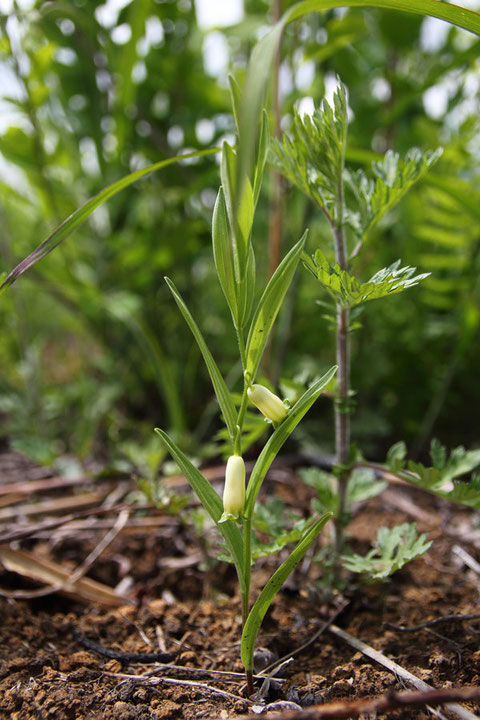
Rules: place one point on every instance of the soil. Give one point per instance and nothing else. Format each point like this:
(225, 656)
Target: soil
(185, 602)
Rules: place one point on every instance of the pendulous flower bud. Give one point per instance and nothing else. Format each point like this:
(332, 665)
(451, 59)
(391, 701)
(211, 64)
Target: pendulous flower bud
(234, 491)
(268, 403)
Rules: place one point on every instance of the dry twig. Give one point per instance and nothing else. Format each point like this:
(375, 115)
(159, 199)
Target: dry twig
(383, 703)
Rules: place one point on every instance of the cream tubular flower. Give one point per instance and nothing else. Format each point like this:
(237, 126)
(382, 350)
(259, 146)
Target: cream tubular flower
(269, 404)
(234, 491)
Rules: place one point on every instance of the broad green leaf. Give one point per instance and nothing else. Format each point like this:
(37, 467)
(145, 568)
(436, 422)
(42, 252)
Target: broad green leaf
(83, 213)
(269, 305)
(221, 391)
(264, 600)
(210, 501)
(284, 430)
(346, 290)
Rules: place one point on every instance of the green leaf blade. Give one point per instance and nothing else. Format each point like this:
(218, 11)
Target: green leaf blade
(264, 600)
(279, 437)
(221, 391)
(77, 218)
(210, 501)
(269, 305)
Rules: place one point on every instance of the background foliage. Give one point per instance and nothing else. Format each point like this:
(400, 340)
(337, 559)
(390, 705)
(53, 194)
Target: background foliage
(91, 337)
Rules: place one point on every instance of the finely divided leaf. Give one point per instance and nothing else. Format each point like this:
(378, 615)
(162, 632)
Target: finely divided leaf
(394, 549)
(346, 290)
(392, 180)
(313, 157)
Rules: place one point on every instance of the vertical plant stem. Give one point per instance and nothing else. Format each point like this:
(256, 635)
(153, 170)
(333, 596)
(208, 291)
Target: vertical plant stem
(342, 416)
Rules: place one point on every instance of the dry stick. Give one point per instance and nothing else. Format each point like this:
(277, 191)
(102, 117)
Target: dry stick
(468, 560)
(171, 681)
(81, 570)
(325, 625)
(379, 657)
(390, 701)
(430, 623)
(52, 524)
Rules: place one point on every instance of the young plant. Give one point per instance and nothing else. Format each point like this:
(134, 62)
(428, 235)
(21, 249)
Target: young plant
(235, 266)
(313, 159)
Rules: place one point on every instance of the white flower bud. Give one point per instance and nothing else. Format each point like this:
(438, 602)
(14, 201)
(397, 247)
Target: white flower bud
(268, 403)
(234, 492)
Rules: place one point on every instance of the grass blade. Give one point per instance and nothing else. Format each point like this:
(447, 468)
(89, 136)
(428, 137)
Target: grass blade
(77, 218)
(257, 613)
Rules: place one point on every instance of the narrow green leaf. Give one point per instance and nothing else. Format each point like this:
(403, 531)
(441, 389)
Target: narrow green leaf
(240, 214)
(272, 447)
(236, 98)
(263, 145)
(257, 613)
(210, 501)
(464, 18)
(269, 305)
(221, 391)
(223, 254)
(83, 213)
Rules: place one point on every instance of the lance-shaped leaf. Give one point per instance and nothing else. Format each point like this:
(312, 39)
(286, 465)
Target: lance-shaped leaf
(210, 501)
(238, 291)
(221, 391)
(263, 146)
(240, 214)
(257, 613)
(83, 213)
(280, 435)
(223, 254)
(269, 305)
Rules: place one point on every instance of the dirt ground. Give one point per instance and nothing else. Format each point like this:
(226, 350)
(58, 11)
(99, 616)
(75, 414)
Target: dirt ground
(183, 602)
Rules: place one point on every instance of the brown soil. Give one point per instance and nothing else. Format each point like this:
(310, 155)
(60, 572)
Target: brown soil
(186, 604)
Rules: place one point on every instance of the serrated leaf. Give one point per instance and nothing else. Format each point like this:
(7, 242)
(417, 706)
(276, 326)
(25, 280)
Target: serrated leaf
(346, 290)
(313, 157)
(363, 485)
(268, 307)
(438, 453)
(396, 456)
(221, 391)
(327, 497)
(392, 180)
(394, 549)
